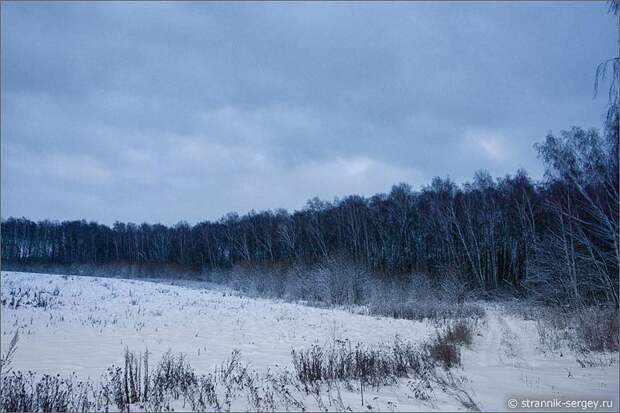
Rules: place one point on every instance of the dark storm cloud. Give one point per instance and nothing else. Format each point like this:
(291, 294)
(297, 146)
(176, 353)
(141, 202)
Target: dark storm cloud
(168, 111)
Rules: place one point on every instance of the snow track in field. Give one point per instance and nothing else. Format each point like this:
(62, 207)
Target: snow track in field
(506, 362)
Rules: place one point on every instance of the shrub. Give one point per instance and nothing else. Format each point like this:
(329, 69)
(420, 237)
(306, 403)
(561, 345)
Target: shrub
(549, 338)
(426, 310)
(460, 332)
(584, 329)
(377, 365)
(445, 347)
(444, 352)
(172, 375)
(597, 328)
(23, 393)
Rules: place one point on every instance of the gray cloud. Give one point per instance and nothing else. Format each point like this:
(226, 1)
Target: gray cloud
(167, 111)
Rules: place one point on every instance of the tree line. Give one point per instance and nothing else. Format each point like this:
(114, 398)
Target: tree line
(557, 237)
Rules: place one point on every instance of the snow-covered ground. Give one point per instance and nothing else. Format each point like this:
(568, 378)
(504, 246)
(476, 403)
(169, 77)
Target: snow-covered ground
(84, 324)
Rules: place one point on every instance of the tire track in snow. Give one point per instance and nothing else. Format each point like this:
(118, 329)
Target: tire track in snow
(511, 346)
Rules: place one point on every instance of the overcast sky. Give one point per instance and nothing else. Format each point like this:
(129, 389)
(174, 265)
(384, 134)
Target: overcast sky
(160, 112)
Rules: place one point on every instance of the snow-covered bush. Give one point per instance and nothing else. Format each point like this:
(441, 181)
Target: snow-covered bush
(444, 352)
(584, 329)
(460, 331)
(444, 348)
(23, 392)
(371, 365)
(597, 328)
(426, 310)
(341, 282)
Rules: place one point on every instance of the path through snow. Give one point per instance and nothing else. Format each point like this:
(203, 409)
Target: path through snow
(506, 361)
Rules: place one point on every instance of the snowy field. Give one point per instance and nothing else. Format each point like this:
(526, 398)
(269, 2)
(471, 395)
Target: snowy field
(84, 324)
